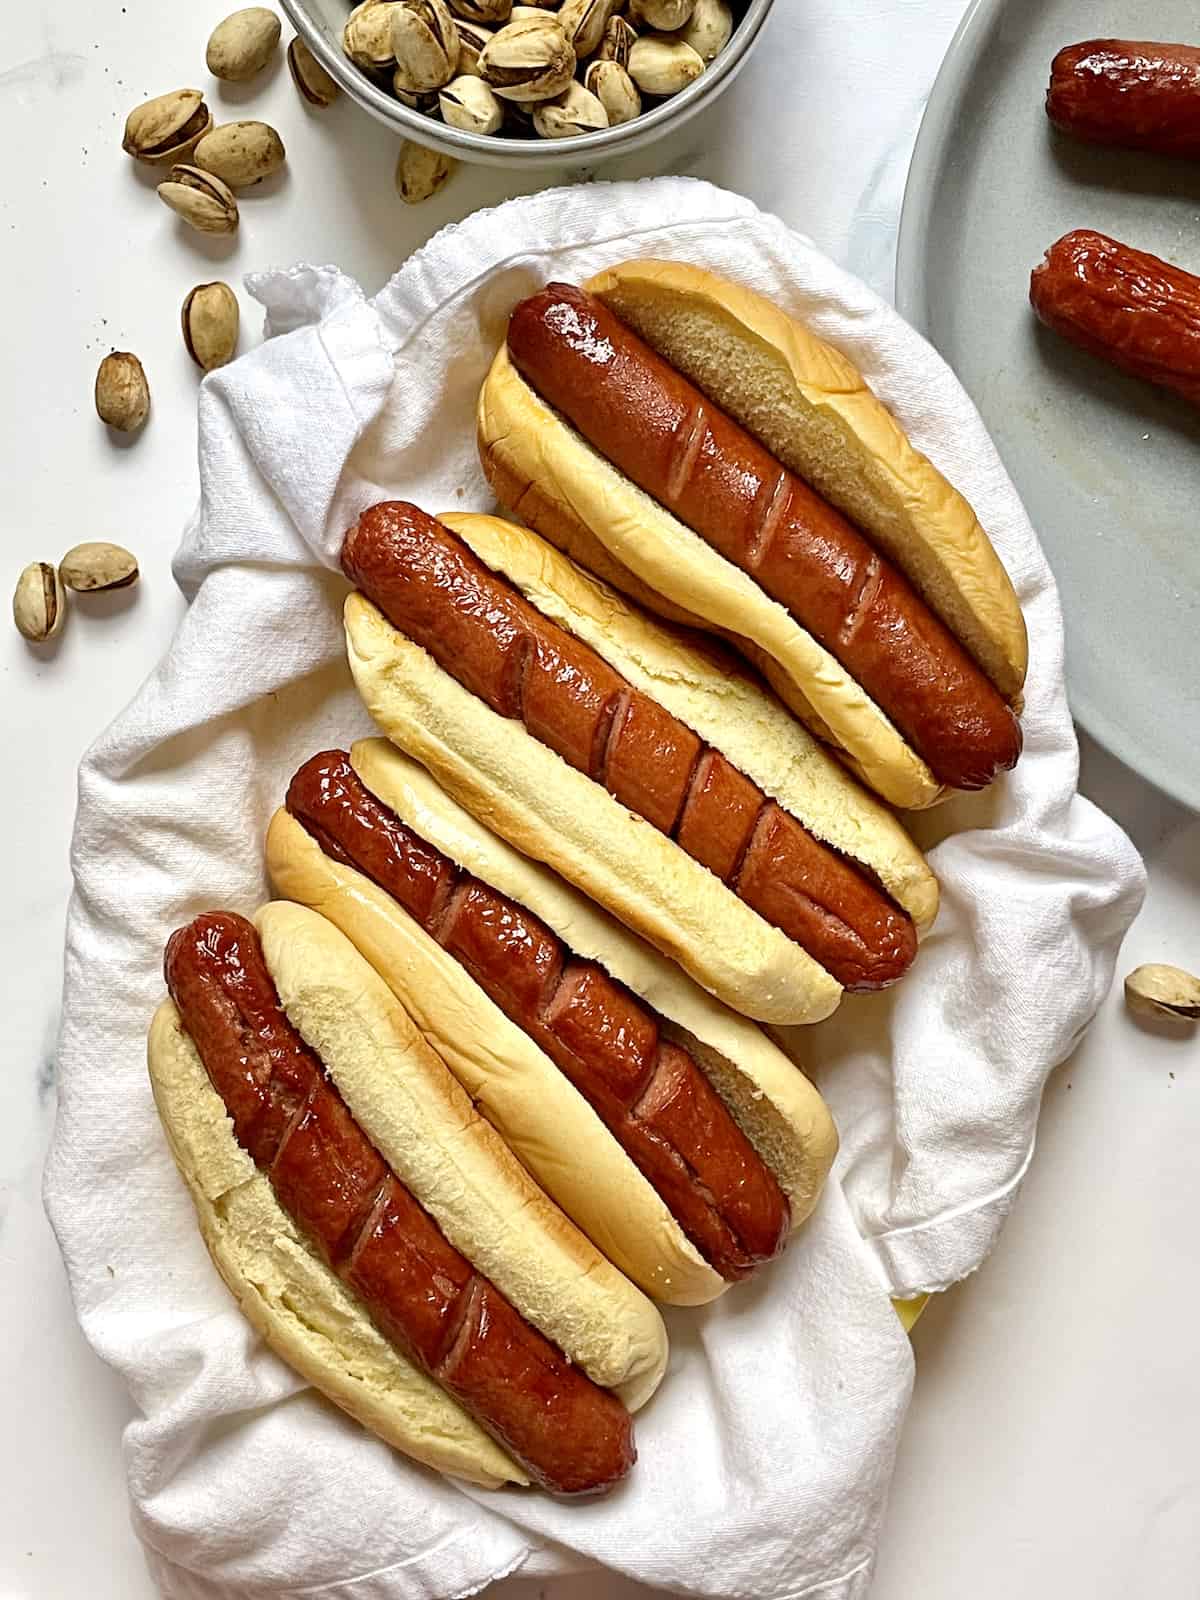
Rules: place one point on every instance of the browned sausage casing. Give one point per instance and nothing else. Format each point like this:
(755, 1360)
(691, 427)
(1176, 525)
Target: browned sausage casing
(571, 1436)
(1133, 310)
(658, 429)
(486, 634)
(649, 1092)
(1130, 93)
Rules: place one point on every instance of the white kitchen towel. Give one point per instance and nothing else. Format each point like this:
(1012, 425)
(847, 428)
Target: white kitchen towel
(765, 1458)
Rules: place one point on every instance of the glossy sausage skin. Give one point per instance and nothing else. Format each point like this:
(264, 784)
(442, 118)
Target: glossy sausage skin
(1130, 93)
(571, 1436)
(660, 431)
(651, 1095)
(486, 634)
(1131, 309)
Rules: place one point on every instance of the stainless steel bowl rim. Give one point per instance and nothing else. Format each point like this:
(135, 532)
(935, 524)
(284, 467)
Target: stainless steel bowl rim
(496, 149)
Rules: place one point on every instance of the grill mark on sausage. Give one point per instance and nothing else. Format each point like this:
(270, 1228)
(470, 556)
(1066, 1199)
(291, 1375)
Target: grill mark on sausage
(615, 713)
(369, 1223)
(766, 522)
(691, 435)
(860, 605)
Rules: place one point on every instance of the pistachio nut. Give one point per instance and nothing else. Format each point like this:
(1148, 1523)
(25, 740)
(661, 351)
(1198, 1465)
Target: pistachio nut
(39, 604)
(617, 42)
(420, 173)
(427, 102)
(665, 15)
(710, 28)
(575, 111)
(122, 393)
(168, 127)
(584, 22)
(367, 35)
(425, 45)
(98, 565)
(528, 61)
(201, 199)
(532, 14)
(534, 5)
(210, 321)
(488, 12)
(468, 103)
(471, 40)
(240, 47)
(241, 153)
(1168, 993)
(661, 65)
(309, 76)
(615, 90)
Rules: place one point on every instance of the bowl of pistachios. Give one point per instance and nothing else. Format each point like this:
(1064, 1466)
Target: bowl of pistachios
(542, 84)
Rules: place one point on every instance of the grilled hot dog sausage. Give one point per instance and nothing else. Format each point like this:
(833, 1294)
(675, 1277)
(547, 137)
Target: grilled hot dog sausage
(1130, 308)
(648, 1092)
(1130, 93)
(659, 430)
(571, 1436)
(486, 634)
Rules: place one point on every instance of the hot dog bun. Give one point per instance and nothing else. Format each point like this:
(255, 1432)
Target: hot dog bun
(556, 814)
(517, 1087)
(812, 409)
(423, 1125)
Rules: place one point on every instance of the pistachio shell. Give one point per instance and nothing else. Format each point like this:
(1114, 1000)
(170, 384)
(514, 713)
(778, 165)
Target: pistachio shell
(201, 199)
(210, 321)
(309, 76)
(488, 12)
(39, 604)
(469, 104)
(471, 40)
(420, 172)
(240, 47)
(617, 42)
(528, 61)
(122, 393)
(1168, 993)
(710, 28)
(575, 111)
(584, 22)
(367, 36)
(98, 565)
(425, 44)
(665, 15)
(661, 65)
(615, 90)
(167, 127)
(241, 153)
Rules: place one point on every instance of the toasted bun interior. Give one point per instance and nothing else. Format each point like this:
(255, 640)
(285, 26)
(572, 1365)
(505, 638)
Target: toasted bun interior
(422, 1123)
(292, 1299)
(496, 770)
(705, 687)
(814, 411)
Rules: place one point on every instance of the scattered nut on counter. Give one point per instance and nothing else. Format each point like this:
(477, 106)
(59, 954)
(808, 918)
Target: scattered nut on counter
(309, 76)
(539, 59)
(210, 320)
(201, 199)
(421, 172)
(39, 603)
(122, 393)
(240, 47)
(1168, 993)
(97, 565)
(168, 127)
(241, 154)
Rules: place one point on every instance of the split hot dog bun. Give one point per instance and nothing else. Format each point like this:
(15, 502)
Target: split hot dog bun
(449, 1160)
(815, 415)
(545, 1119)
(548, 809)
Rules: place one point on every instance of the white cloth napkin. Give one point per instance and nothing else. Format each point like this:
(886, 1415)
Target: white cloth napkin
(765, 1458)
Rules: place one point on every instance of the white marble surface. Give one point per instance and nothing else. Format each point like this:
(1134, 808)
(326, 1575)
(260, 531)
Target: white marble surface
(1050, 1446)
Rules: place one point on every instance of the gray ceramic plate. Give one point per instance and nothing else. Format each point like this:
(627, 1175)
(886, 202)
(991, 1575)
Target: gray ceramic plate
(1108, 467)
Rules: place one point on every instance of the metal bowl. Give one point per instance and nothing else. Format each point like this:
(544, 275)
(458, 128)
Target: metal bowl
(319, 23)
